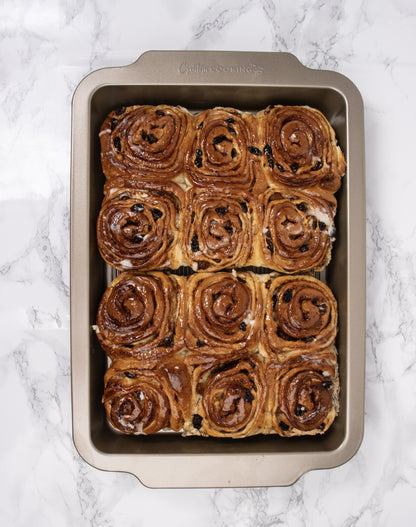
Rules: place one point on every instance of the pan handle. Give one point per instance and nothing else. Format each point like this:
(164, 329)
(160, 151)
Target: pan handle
(214, 67)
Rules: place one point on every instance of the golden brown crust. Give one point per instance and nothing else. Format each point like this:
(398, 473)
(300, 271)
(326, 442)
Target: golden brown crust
(300, 314)
(229, 399)
(145, 397)
(217, 230)
(138, 224)
(142, 316)
(301, 148)
(146, 141)
(224, 314)
(303, 393)
(298, 231)
(224, 151)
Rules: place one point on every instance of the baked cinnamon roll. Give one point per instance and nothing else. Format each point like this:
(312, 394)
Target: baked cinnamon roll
(224, 151)
(138, 224)
(144, 398)
(298, 231)
(300, 147)
(304, 393)
(224, 313)
(229, 399)
(217, 229)
(146, 141)
(300, 314)
(141, 316)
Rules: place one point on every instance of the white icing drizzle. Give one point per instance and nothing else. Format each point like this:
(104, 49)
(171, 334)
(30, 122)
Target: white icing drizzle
(126, 264)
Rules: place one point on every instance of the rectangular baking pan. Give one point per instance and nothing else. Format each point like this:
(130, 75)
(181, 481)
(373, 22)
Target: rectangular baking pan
(199, 80)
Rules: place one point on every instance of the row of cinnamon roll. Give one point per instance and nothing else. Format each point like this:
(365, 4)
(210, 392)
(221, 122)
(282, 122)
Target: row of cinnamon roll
(219, 354)
(222, 195)
(224, 398)
(293, 146)
(147, 225)
(222, 315)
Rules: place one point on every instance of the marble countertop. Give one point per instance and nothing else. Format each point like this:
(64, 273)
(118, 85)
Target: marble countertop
(46, 48)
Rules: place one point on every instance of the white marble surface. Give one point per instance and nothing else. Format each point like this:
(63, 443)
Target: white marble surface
(46, 48)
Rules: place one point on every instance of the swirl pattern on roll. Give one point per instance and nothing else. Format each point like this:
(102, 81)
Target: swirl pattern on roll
(138, 224)
(224, 150)
(305, 393)
(148, 141)
(300, 314)
(224, 313)
(144, 398)
(301, 148)
(229, 399)
(141, 316)
(298, 231)
(217, 229)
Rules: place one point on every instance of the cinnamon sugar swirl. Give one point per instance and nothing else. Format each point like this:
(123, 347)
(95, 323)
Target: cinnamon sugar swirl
(224, 314)
(301, 148)
(300, 314)
(304, 393)
(138, 224)
(147, 141)
(298, 231)
(218, 229)
(146, 397)
(142, 316)
(224, 151)
(229, 399)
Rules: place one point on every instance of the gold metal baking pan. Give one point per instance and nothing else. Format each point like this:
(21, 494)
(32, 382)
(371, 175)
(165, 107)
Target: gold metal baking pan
(199, 80)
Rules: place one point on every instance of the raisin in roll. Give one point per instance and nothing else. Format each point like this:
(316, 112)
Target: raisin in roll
(141, 316)
(217, 229)
(300, 313)
(229, 399)
(298, 231)
(224, 313)
(145, 141)
(301, 148)
(138, 224)
(304, 393)
(224, 151)
(144, 398)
